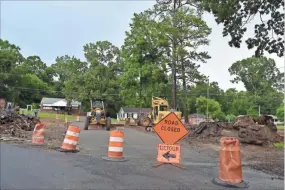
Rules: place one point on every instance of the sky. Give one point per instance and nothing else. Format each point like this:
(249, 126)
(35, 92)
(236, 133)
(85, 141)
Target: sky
(56, 28)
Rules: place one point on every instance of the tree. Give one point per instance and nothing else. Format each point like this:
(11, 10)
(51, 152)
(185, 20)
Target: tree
(102, 53)
(185, 32)
(211, 106)
(10, 57)
(242, 102)
(200, 89)
(258, 74)
(34, 65)
(227, 101)
(230, 117)
(236, 14)
(192, 34)
(167, 37)
(280, 112)
(96, 78)
(18, 83)
(270, 101)
(143, 62)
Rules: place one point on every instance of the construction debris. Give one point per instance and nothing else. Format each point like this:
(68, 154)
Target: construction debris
(260, 132)
(15, 124)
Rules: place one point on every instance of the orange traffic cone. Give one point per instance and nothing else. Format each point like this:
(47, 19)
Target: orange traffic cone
(71, 139)
(230, 172)
(115, 150)
(38, 134)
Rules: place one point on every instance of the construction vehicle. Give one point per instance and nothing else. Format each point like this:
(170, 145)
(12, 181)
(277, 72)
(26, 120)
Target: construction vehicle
(98, 117)
(160, 109)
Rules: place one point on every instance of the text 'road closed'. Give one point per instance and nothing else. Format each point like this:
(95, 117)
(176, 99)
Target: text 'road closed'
(170, 129)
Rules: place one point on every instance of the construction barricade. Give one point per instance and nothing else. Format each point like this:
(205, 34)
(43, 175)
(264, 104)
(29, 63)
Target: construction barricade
(116, 144)
(38, 134)
(230, 171)
(71, 139)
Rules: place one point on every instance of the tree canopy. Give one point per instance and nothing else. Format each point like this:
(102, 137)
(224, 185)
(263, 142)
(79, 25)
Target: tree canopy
(161, 56)
(235, 15)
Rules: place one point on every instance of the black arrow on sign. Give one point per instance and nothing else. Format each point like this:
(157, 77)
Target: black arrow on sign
(167, 155)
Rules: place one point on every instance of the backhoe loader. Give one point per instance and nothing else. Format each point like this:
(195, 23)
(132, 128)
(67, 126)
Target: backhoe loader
(160, 109)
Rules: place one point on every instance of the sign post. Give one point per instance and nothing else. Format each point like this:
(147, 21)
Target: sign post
(170, 130)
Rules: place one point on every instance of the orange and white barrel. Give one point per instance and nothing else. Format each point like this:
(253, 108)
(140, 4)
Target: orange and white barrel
(57, 116)
(116, 144)
(71, 139)
(78, 118)
(38, 134)
(230, 172)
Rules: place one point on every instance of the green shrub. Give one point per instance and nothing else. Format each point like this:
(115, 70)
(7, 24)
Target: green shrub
(230, 117)
(279, 145)
(36, 106)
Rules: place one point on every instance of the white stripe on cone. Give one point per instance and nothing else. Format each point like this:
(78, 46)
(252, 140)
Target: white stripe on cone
(70, 142)
(71, 133)
(38, 137)
(116, 139)
(115, 149)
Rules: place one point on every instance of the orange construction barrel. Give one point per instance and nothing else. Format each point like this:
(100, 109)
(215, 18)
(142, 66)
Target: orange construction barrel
(71, 139)
(116, 144)
(38, 134)
(230, 171)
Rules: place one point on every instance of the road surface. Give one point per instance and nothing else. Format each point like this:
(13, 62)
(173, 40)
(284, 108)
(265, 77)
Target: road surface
(36, 168)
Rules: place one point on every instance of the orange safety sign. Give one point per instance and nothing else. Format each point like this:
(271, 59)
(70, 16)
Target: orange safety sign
(170, 129)
(167, 153)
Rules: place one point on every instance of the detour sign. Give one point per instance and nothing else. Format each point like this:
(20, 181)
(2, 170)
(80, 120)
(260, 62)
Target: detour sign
(168, 153)
(170, 129)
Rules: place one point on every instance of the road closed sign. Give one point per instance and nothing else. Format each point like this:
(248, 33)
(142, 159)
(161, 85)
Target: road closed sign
(170, 129)
(169, 153)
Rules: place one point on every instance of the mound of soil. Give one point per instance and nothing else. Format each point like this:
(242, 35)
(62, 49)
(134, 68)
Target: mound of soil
(247, 130)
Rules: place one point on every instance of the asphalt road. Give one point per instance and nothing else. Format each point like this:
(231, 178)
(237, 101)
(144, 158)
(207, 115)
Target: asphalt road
(36, 168)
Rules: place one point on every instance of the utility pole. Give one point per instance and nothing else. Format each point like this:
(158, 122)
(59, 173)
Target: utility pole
(174, 98)
(284, 89)
(208, 99)
(259, 110)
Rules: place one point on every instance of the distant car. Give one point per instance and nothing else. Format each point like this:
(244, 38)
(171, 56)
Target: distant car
(275, 120)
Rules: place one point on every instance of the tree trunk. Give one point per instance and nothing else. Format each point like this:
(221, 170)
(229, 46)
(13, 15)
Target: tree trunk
(174, 76)
(184, 91)
(174, 98)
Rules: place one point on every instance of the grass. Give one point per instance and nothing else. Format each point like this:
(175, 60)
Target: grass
(280, 127)
(113, 121)
(53, 116)
(50, 115)
(279, 145)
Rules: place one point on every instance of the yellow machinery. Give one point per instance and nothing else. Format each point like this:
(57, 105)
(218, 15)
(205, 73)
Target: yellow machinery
(98, 115)
(160, 109)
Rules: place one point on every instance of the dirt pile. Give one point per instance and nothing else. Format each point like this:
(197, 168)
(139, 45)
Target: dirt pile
(260, 132)
(15, 124)
(54, 135)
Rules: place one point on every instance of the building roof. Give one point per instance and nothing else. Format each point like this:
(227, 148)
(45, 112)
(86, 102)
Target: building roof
(58, 102)
(136, 110)
(196, 115)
